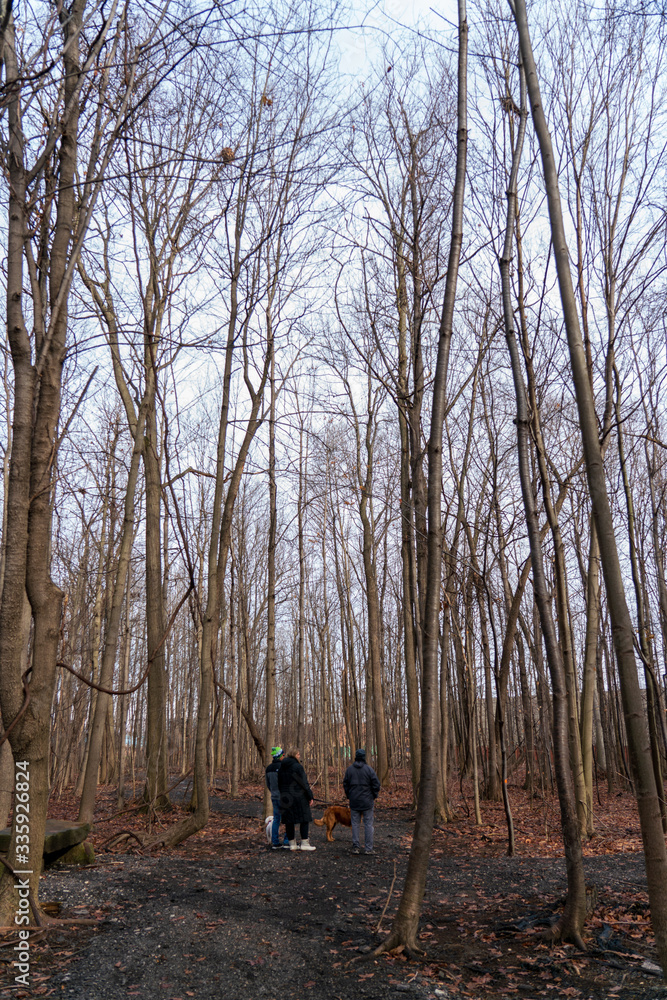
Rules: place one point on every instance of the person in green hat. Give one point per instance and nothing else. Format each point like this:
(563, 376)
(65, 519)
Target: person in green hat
(271, 774)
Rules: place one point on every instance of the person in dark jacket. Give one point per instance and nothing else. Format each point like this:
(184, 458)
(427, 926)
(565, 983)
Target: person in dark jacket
(271, 775)
(295, 800)
(362, 787)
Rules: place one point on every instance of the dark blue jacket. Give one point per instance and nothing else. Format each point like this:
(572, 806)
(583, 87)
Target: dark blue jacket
(362, 785)
(271, 774)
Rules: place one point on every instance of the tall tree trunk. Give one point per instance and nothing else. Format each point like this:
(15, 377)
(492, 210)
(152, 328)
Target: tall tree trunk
(270, 732)
(404, 929)
(442, 795)
(301, 640)
(527, 708)
(96, 635)
(571, 922)
(588, 685)
(657, 551)
(375, 659)
(234, 685)
(652, 699)
(37, 391)
(640, 755)
(123, 706)
(408, 537)
(409, 637)
(156, 697)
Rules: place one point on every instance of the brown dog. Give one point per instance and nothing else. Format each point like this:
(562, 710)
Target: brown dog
(333, 815)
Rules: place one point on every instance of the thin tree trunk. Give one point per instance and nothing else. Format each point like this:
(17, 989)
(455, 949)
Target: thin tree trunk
(404, 929)
(122, 722)
(657, 551)
(588, 685)
(652, 699)
(118, 589)
(640, 756)
(408, 541)
(375, 700)
(571, 923)
(95, 639)
(156, 696)
(301, 647)
(409, 640)
(270, 734)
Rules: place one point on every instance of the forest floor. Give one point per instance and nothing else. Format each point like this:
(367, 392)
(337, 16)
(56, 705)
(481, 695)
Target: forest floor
(224, 917)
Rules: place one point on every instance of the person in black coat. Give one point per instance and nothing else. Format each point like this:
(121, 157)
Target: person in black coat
(362, 786)
(295, 800)
(271, 776)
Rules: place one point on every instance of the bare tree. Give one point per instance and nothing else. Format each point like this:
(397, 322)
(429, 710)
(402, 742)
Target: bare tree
(400, 157)
(404, 930)
(172, 163)
(47, 224)
(635, 722)
(259, 212)
(571, 923)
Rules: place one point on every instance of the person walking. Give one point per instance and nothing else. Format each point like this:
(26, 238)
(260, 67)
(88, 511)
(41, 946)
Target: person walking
(271, 775)
(295, 800)
(362, 786)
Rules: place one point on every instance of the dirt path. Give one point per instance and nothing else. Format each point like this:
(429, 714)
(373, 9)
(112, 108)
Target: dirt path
(242, 921)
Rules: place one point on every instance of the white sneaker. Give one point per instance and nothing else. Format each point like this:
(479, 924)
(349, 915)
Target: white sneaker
(293, 846)
(307, 846)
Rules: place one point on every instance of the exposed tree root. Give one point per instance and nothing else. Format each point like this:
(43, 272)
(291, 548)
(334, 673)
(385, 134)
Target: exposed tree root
(51, 924)
(561, 931)
(176, 834)
(393, 945)
(118, 838)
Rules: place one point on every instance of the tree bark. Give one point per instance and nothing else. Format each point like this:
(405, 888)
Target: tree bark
(571, 923)
(375, 659)
(301, 641)
(37, 394)
(155, 789)
(270, 733)
(640, 756)
(404, 929)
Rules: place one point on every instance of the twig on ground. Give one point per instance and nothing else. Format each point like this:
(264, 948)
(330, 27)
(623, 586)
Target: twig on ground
(391, 889)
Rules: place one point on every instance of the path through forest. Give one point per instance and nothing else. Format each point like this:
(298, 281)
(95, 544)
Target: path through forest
(223, 917)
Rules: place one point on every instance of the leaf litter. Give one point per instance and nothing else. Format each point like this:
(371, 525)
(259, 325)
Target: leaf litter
(221, 917)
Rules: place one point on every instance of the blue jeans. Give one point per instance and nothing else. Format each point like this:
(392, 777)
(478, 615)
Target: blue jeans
(356, 816)
(275, 829)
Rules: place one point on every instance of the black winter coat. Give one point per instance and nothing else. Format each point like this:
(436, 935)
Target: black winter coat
(295, 793)
(361, 785)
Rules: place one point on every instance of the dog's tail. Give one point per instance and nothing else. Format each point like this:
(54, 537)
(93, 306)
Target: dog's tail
(319, 822)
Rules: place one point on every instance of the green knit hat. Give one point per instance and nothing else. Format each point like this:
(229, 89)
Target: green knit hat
(276, 751)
